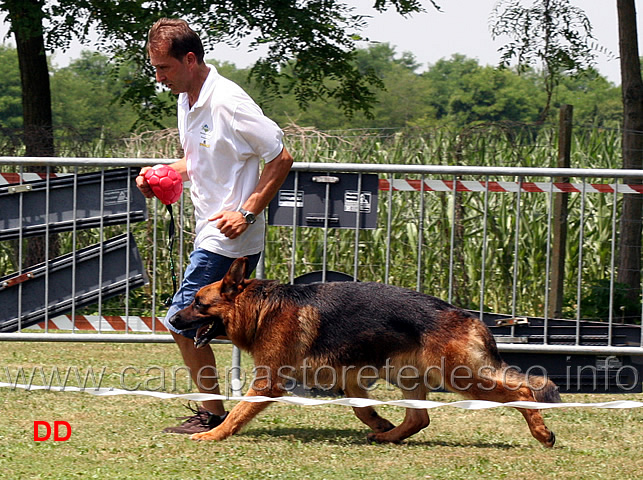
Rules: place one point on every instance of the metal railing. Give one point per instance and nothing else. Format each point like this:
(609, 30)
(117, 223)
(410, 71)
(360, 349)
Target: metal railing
(451, 231)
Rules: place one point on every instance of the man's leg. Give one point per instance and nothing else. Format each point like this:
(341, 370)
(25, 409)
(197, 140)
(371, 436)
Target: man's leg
(203, 370)
(204, 268)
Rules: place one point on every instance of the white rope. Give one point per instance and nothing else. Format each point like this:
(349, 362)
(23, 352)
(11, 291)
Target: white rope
(350, 402)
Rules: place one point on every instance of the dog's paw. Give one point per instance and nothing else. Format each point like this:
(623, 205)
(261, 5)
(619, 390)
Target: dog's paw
(203, 436)
(550, 441)
(216, 434)
(379, 438)
(384, 426)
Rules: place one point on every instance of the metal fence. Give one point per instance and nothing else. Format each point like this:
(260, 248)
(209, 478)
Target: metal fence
(483, 238)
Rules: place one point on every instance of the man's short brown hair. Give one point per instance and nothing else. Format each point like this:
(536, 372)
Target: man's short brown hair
(174, 37)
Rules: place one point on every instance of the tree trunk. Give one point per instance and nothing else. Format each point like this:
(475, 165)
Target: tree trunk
(26, 18)
(629, 265)
(26, 22)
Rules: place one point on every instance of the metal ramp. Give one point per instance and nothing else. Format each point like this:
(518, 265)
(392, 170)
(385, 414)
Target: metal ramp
(74, 280)
(62, 203)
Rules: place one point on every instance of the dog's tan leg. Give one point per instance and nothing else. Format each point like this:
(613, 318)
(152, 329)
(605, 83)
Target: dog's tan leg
(368, 415)
(504, 390)
(238, 417)
(415, 419)
(537, 427)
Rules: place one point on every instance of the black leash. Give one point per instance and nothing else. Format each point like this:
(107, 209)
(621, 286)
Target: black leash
(171, 234)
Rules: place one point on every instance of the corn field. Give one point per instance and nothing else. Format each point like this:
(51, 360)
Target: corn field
(510, 249)
(443, 215)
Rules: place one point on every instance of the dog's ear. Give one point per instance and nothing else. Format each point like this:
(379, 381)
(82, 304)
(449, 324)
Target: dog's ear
(233, 281)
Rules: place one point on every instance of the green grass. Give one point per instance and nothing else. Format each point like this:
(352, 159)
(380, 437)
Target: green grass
(121, 436)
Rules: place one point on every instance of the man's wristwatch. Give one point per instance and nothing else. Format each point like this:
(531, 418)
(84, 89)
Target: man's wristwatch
(249, 217)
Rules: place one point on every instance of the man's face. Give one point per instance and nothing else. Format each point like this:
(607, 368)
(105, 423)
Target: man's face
(171, 72)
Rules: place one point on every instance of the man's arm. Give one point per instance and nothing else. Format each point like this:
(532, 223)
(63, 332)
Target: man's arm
(232, 224)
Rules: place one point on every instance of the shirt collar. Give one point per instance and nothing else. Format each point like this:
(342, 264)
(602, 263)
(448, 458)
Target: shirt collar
(206, 89)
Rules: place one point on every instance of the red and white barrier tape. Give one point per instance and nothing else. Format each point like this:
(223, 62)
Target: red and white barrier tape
(105, 323)
(15, 178)
(511, 187)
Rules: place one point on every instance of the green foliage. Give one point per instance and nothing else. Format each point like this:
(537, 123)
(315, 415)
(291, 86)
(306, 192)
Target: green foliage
(10, 103)
(84, 96)
(310, 45)
(453, 92)
(492, 95)
(445, 78)
(596, 101)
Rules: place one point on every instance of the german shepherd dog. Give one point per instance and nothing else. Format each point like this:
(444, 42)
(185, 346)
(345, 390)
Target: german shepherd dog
(347, 334)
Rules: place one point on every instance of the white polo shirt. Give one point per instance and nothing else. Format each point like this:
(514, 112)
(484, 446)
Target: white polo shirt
(225, 135)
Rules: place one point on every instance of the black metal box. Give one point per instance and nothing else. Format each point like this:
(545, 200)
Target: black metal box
(337, 200)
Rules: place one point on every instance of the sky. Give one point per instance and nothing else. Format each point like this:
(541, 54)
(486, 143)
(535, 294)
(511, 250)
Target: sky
(462, 27)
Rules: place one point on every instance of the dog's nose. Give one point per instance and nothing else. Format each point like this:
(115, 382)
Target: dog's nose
(176, 320)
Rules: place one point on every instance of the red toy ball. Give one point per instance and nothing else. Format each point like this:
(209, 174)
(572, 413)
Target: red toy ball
(166, 183)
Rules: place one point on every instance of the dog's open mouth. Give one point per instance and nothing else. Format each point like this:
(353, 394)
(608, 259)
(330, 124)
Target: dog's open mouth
(207, 333)
(204, 335)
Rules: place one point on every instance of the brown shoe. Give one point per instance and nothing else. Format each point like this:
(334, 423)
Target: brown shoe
(201, 421)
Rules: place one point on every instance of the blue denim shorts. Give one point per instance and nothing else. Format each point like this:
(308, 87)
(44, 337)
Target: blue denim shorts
(205, 268)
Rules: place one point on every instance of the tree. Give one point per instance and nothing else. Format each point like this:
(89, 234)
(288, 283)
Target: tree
(446, 77)
(320, 34)
(492, 95)
(559, 35)
(629, 265)
(84, 99)
(404, 96)
(462, 92)
(550, 32)
(596, 100)
(26, 18)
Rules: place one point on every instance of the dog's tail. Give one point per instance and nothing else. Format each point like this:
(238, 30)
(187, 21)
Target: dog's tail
(547, 392)
(542, 388)
(474, 350)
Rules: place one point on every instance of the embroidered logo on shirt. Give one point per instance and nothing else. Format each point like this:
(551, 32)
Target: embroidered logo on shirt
(205, 135)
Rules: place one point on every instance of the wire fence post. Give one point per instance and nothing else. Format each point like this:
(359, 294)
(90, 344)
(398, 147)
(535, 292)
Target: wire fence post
(561, 201)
